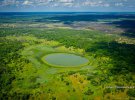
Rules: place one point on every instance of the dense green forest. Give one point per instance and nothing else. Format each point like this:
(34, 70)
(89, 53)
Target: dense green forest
(109, 75)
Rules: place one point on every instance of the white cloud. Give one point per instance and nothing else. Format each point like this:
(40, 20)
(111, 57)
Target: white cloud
(106, 5)
(96, 3)
(65, 1)
(69, 3)
(119, 4)
(9, 2)
(27, 2)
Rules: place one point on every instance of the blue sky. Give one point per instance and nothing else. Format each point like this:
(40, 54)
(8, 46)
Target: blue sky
(67, 5)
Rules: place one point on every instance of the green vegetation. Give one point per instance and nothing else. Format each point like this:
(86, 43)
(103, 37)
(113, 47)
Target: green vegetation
(24, 73)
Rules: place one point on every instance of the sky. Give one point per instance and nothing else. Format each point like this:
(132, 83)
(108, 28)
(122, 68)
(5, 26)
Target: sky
(67, 5)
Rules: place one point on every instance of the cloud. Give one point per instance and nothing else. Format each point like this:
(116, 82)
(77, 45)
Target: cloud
(9, 2)
(27, 2)
(65, 1)
(96, 3)
(69, 3)
(119, 4)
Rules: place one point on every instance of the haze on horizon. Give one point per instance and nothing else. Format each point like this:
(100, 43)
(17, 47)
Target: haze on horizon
(67, 5)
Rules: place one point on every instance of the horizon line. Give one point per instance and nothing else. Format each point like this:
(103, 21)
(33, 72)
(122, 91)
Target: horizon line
(70, 11)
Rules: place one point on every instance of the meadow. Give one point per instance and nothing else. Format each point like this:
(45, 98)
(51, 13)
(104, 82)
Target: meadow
(67, 56)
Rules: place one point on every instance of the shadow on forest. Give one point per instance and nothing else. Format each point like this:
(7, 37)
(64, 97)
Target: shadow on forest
(127, 25)
(122, 55)
(126, 22)
(88, 17)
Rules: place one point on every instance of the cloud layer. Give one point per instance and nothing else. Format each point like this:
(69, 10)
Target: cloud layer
(68, 3)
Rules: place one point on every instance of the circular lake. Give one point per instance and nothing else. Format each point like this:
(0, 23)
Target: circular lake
(65, 60)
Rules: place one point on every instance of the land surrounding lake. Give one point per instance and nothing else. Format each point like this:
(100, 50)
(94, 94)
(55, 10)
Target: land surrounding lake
(67, 56)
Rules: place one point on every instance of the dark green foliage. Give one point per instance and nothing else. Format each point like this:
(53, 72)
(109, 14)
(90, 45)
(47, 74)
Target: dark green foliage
(107, 90)
(67, 83)
(89, 77)
(73, 90)
(94, 82)
(131, 92)
(53, 98)
(89, 92)
(10, 61)
(71, 73)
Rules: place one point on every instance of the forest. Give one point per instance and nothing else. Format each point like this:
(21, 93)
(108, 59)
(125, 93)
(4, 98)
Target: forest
(26, 38)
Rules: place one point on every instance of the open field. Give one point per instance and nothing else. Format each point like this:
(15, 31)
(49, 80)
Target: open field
(67, 56)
